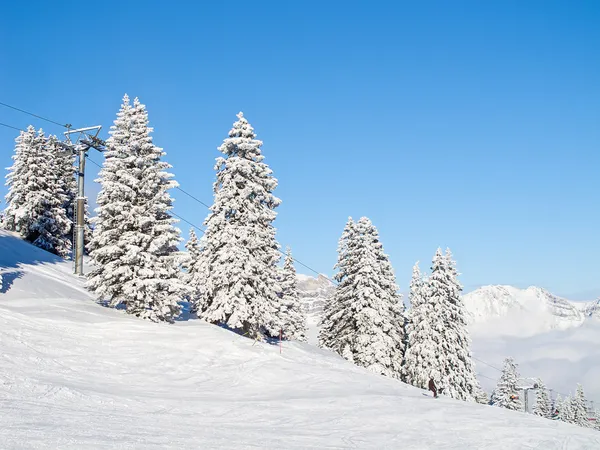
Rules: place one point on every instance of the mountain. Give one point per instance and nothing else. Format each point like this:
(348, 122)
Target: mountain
(591, 309)
(74, 374)
(314, 292)
(510, 310)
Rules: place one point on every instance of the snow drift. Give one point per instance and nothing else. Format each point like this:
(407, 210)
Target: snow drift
(76, 375)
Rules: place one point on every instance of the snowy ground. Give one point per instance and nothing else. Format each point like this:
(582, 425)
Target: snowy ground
(74, 375)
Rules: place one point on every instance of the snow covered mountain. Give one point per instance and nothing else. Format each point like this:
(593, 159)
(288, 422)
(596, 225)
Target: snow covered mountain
(522, 311)
(314, 292)
(591, 309)
(76, 375)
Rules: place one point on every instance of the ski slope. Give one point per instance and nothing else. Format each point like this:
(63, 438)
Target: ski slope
(75, 375)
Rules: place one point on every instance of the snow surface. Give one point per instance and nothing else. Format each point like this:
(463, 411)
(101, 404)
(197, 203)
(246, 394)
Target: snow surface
(76, 375)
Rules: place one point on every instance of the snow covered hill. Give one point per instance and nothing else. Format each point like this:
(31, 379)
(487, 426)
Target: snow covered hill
(76, 375)
(523, 312)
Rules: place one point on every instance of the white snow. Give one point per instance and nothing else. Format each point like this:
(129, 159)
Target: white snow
(75, 375)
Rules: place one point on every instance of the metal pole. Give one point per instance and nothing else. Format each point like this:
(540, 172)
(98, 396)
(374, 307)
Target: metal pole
(79, 228)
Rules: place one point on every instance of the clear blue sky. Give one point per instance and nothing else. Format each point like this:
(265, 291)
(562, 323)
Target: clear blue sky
(468, 124)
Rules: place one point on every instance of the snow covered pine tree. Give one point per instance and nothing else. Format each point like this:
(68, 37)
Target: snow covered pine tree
(195, 276)
(579, 408)
(292, 313)
(438, 344)
(422, 348)
(334, 308)
(506, 393)
(365, 321)
(241, 252)
(459, 378)
(542, 406)
(36, 198)
(134, 244)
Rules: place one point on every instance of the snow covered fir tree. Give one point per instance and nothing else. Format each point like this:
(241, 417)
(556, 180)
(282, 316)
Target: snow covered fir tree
(291, 311)
(579, 408)
(438, 343)
(364, 320)
(134, 243)
(506, 394)
(241, 252)
(542, 407)
(193, 275)
(38, 193)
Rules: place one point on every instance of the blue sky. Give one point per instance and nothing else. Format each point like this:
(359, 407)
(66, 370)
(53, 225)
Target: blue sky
(468, 124)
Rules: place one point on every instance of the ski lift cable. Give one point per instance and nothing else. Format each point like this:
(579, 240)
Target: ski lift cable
(35, 115)
(487, 364)
(10, 126)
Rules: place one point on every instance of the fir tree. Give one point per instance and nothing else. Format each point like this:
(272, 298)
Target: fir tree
(65, 172)
(36, 198)
(579, 408)
(459, 378)
(481, 397)
(558, 407)
(18, 215)
(241, 252)
(565, 413)
(506, 394)
(334, 309)
(292, 312)
(194, 276)
(423, 330)
(542, 406)
(369, 327)
(134, 243)
(438, 344)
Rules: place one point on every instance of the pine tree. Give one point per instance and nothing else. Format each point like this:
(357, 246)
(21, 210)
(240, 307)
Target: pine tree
(241, 251)
(565, 413)
(18, 215)
(35, 201)
(65, 172)
(55, 228)
(506, 394)
(579, 408)
(438, 344)
(194, 276)
(459, 378)
(291, 312)
(334, 309)
(542, 406)
(558, 407)
(134, 244)
(423, 331)
(481, 397)
(369, 328)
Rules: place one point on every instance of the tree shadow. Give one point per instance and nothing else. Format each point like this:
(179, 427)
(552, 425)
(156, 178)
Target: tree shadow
(15, 252)
(8, 278)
